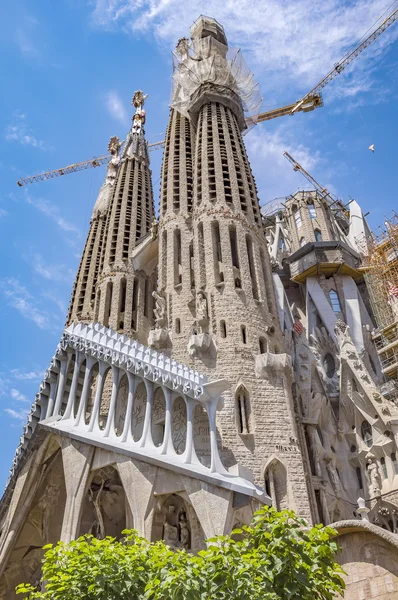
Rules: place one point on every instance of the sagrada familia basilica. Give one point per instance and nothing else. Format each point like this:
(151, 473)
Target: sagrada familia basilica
(214, 360)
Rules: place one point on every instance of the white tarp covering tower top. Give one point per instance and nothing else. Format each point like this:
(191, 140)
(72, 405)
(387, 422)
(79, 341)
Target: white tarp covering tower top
(208, 59)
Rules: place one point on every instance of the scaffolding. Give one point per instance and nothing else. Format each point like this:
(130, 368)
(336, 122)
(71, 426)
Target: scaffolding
(379, 252)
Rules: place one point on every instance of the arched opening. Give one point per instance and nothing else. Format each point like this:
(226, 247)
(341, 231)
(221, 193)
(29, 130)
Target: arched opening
(394, 462)
(311, 210)
(318, 235)
(97, 306)
(91, 394)
(334, 300)
(329, 365)
(177, 326)
(158, 417)
(302, 242)
(68, 382)
(139, 408)
(104, 507)
(105, 398)
(297, 217)
(262, 342)
(79, 389)
(243, 334)
(366, 433)
(177, 258)
(41, 524)
(122, 303)
(217, 253)
(175, 522)
(243, 411)
(359, 477)
(252, 268)
(223, 329)
(179, 425)
(276, 481)
(134, 304)
(108, 303)
(121, 405)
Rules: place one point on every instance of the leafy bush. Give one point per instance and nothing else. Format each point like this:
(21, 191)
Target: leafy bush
(274, 558)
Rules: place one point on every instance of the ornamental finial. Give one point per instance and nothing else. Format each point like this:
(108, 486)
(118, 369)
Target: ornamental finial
(139, 99)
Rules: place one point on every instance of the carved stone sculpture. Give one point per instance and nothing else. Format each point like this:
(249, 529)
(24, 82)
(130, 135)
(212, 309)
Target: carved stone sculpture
(170, 529)
(374, 476)
(102, 203)
(160, 310)
(202, 315)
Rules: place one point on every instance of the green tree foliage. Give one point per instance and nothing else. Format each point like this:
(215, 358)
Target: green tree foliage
(275, 558)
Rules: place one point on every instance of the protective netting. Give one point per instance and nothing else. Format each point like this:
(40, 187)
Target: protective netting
(208, 60)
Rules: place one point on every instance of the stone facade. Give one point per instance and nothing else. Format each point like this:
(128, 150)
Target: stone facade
(213, 361)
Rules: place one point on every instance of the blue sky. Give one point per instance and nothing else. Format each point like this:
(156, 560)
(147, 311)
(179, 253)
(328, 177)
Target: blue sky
(68, 71)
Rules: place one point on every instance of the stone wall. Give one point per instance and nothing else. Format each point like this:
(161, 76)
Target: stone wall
(369, 556)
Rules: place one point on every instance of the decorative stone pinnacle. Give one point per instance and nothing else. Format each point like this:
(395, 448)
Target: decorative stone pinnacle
(138, 99)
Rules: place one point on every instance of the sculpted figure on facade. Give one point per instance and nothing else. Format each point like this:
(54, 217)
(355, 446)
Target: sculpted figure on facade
(140, 114)
(202, 315)
(160, 310)
(374, 476)
(102, 203)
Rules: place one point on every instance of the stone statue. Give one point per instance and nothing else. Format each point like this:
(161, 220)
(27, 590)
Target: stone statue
(184, 532)
(160, 310)
(333, 476)
(170, 529)
(374, 476)
(140, 114)
(202, 315)
(102, 203)
(98, 526)
(154, 228)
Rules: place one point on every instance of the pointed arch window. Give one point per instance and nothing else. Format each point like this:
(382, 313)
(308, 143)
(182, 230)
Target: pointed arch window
(297, 217)
(281, 244)
(366, 433)
(334, 299)
(302, 242)
(243, 411)
(318, 235)
(311, 210)
(394, 462)
(359, 477)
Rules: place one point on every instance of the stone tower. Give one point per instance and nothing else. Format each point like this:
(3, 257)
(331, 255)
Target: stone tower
(214, 268)
(107, 289)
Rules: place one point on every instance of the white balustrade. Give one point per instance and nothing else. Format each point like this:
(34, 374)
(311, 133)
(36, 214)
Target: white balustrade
(101, 354)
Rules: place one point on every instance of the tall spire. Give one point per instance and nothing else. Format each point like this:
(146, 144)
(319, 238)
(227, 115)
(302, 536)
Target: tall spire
(107, 289)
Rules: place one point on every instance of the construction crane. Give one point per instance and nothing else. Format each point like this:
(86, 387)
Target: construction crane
(312, 100)
(81, 166)
(324, 192)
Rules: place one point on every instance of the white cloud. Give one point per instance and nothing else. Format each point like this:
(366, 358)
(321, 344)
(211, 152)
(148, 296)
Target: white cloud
(3, 213)
(22, 375)
(52, 272)
(19, 415)
(17, 395)
(266, 148)
(116, 108)
(19, 131)
(19, 298)
(284, 42)
(51, 211)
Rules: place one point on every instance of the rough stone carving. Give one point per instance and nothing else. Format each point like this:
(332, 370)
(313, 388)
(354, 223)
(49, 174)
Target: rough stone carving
(102, 203)
(374, 476)
(323, 345)
(160, 310)
(202, 315)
